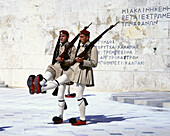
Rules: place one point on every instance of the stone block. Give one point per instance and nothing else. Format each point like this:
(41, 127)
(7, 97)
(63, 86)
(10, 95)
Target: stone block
(18, 77)
(10, 34)
(168, 60)
(158, 31)
(2, 84)
(134, 99)
(46, 6)
(122, 98)
(153, 2)
(6, 75)
(66, 8)
(123, 4)
(141, 81)
(71, 18)
(115, 81)
(31, 21)
(36, 61)
(166, 104)
(85, 18)
(10, 60)
(155, 102)
(114, 98)
(106, 17)
(54, 20)
(32, 34)
(155, 62)
(159, 81)
(162, 49)
(29, 7)
(131, 101)
(142, 101)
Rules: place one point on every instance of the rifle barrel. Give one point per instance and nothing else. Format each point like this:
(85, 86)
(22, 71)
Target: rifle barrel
(72, 42)
(95, 40)
(56, 51)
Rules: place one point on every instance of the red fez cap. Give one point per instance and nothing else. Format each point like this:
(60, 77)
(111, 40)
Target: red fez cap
(64, 32)
(85, 32)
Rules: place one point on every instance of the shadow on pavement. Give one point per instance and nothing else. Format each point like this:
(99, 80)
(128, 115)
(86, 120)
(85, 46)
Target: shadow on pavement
(3, 128)
(94, 119)
(86, 95)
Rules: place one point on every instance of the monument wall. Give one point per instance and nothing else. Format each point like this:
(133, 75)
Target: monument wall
(133, 56)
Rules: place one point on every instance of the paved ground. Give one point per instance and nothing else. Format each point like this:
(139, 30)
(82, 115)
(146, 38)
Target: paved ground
(22, 114)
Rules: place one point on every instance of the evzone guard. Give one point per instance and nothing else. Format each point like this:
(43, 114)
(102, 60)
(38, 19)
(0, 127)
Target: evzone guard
(80, 73)
(57, 68)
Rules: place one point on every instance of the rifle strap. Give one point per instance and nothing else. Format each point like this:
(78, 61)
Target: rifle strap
(55, 93)
(57, 82)
(45, 79)
(81, 100)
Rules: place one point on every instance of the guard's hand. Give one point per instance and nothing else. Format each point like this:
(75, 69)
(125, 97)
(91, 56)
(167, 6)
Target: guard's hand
(80, 60)
(59, 59)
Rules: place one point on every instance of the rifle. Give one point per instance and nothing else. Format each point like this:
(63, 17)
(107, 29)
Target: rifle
(56, 51)
(64, 52)
(90, 46)
(72, 42)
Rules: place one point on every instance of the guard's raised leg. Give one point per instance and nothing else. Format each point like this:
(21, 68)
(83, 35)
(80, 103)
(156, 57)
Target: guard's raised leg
(30, 84)
(37, 84)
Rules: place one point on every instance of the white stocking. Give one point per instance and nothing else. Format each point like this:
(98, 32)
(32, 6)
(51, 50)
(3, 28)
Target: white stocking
(49, 85)
(67, 89)
(63, 79)
(61, 101)
(81, 103)
(48, 76)
(53, 84)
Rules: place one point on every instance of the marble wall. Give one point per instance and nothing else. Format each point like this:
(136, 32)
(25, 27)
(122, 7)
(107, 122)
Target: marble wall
(133, 56)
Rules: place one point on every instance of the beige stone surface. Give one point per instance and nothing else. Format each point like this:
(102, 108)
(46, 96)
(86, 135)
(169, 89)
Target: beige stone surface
(133, 56)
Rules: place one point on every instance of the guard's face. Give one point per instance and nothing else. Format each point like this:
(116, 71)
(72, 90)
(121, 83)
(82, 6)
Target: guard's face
(84, 38)
(63, 38)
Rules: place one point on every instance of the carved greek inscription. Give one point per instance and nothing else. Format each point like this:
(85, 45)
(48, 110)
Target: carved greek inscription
(143, 16)
(110, 54)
